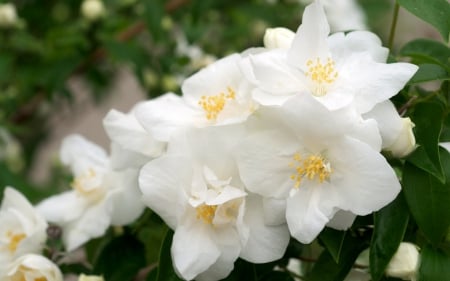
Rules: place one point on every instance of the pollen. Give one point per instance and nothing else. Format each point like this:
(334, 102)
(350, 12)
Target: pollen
(322, 75)
(79, 183)
(206, 213)
(213, 105)
(14, 240)
(313, 167)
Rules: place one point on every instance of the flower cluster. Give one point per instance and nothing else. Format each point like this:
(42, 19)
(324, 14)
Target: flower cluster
(271, 143)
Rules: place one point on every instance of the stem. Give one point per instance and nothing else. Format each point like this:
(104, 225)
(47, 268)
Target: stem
(393, 26)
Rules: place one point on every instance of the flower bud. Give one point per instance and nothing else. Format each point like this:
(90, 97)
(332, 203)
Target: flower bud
(8, 15)
(92, 10)
(90, 278)
(405, 142)
(404, 263)
(33, 267)
(278, 37)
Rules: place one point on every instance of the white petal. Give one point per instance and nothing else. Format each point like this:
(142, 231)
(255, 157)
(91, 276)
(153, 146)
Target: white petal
(228, 193)
(265, 243)
(274, 211)
(310, 41)
(121, 158)
(62, 208)
(278, 37)
(342, 220)
(162, 182)
(193, 248)
(366, 182)
(263, 160)
(129, 133)
(82, 155)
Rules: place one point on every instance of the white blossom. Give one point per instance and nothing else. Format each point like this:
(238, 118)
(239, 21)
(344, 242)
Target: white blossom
(8, 15)
(404, 263)
(32, 267)
(278, 37)
(92, 10)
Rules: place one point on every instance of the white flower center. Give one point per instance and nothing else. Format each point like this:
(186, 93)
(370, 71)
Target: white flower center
(14, 240)
(89, 185)
(206, 213)
(213, 105)
(25, 273)
(322, 75)
(313, 167)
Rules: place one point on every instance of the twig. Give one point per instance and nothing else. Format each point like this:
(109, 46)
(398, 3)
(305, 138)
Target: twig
(393, 26)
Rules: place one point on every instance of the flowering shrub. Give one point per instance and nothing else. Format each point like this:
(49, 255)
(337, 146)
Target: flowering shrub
(279, 162)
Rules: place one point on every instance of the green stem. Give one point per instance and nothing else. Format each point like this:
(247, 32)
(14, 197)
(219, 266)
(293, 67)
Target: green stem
(393, 26)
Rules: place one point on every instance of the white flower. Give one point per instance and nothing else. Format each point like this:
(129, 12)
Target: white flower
(405, 262)
(396, 132)
(278, 37)
(197, 191)
(33, 267)
(317, 161)
(8, 15)
(100, 196)
(338, 71)
(132, 145)
(216, 95)
(83, 277)
(22, 230)
(92, 9)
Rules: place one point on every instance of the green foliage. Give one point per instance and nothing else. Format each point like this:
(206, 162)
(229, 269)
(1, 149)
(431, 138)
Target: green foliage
(434, 264)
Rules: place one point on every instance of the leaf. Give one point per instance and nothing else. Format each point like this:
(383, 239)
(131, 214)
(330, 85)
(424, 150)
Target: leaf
(276, 275)
(427, 51)
(243, 270)
(429, 199)
(434, 264)
(165, 268)
(326, 269)
(333, 240)
(121, 259)
(435, 12)
(429, 72)
(154, 11)
(428, 119)
(390, 227)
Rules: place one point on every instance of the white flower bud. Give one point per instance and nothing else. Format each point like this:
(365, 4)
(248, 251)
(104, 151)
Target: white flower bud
(8, 15)
(33, 267)
(83, 277)
(278, 37)
(92, 9)
(404, 263)
(405, 142)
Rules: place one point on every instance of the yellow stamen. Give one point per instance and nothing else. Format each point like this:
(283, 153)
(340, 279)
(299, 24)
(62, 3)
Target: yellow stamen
(79, 183)
(213, 105)
(14, 241)
(312, 167)
(206, 213)
(321, 75)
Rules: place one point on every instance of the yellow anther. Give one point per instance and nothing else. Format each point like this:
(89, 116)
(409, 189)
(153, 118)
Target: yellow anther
(321, 75)
(14, 240)
(213, 105)
(206, 213)
(312, 167)
(79, 183)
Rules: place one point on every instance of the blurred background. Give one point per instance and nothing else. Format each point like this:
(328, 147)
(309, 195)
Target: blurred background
(65, 64)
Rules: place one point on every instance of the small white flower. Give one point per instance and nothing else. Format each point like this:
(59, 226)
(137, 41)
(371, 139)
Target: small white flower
(8, 15)
(100, 196)
(214, 219)
(33, 267)
(92, 9)
(278, 37)
(317, 161)
(83, 277)
(405, 262)
(22, 230)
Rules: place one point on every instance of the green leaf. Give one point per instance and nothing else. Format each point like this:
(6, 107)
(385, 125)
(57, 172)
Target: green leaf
(429, 72)
(390, 227)
(276, 275)
(427, 51)
(435, 12)
(333, 240)
(428, 119)
(434, 264)
(429, 199)
(243, 270)
(326, 269)
(121, 259)
(165, 268)
(154, 11)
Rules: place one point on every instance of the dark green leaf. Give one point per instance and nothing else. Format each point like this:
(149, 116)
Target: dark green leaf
(428, 199)
(121, 259)
(332, 240)
(277, 275)
(434, 265)
(243, 270)
(429, 72)
(390, 227)
(435, 12)
(165, 268)
(428, 119)
(154, 11)
(427, 51)
(326, 269)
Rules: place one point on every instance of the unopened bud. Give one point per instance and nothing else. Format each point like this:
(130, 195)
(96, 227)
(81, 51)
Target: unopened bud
(278, 37)
(404, 263)
(92, 10)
